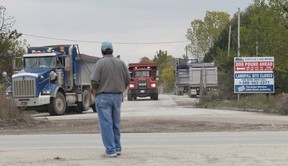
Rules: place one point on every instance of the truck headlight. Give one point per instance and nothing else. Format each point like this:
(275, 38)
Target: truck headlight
(52, 75)
(8, 94)
(153, 85)
(131, 86)
(46, 92)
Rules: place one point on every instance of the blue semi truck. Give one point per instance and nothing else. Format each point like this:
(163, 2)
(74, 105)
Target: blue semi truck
(54, 79)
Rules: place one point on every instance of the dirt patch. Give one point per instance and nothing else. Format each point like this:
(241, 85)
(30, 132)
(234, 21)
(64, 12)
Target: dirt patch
(204, 120)
(132, 125)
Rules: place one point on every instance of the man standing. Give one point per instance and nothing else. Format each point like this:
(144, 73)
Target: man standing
(109, 79)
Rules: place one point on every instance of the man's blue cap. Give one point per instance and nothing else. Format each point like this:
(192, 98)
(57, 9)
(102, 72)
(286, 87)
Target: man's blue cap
(106, 46)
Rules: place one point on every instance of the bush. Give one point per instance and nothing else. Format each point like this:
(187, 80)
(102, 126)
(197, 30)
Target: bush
(9, 110)
(255, 101)
(281, 103)
(268, 103)
(1, 87)
(211, 95)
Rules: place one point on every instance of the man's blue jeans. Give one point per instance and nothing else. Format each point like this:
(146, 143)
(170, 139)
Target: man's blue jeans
(108, 106)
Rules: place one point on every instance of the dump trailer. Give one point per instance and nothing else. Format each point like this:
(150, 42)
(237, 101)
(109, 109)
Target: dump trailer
(144, 81)
(55, 79)
(202, 75)
(182, 75)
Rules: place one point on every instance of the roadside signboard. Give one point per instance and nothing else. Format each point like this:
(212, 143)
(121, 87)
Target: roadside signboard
(254, 75)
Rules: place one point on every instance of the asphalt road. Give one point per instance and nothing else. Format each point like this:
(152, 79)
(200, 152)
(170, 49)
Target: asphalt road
(16, 142)
(222, 148)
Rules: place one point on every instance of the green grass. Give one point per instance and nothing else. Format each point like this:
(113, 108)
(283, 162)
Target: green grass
(273, 103)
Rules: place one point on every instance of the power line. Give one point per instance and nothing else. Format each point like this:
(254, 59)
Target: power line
(98, 42)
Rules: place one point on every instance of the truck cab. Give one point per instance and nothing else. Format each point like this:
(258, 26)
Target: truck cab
(54, 79)
(144, 81)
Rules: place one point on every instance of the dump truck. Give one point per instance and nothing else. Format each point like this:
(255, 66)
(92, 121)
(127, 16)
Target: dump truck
(182, 75)
(54, 78)
(144, 81)
(202, 76)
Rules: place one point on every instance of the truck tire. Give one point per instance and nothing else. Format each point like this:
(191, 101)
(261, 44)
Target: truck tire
(57, 104)
(94, 107)
(154, 96)
(84, 105)
(178, 91)
(129, 97)
(175, 90)
(189, 93)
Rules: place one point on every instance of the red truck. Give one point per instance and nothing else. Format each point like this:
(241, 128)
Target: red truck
(144, 81)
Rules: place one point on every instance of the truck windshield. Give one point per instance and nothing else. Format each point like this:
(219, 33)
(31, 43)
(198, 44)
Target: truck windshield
(142, 74)
(41, 62)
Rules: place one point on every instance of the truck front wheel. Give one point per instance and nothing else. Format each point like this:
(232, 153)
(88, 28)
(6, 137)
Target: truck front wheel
(57, 105)
(129, 97)
(154, 96)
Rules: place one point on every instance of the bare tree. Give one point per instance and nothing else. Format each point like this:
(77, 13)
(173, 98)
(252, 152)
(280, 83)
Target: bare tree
(10, 45)
(6, 22)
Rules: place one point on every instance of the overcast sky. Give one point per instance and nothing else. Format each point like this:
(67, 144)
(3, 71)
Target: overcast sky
(125, 21)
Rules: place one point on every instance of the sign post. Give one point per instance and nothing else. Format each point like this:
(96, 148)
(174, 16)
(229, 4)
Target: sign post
(254, 75)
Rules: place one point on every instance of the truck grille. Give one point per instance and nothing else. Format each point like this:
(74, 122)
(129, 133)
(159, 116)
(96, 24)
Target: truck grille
(142, 84)
(24, 88)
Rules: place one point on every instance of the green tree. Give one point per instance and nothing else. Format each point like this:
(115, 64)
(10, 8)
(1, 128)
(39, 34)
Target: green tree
(168, 78)
(268, 32)
(203, 33)
(164, 61)
(281, 6)
(145, 60)
(185, 57)
(263, 33)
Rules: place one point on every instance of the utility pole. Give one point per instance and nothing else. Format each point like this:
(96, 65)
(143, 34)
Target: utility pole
(201, 86)
(14, 64)
(238, 51)
(257, 48)
(229, 41)
(239, 22)
(186, 51)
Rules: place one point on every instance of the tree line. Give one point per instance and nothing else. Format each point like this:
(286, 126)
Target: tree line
(264, 31)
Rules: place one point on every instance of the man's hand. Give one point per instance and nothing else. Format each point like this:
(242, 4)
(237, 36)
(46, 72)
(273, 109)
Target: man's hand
(93, 92)
(94, 87)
